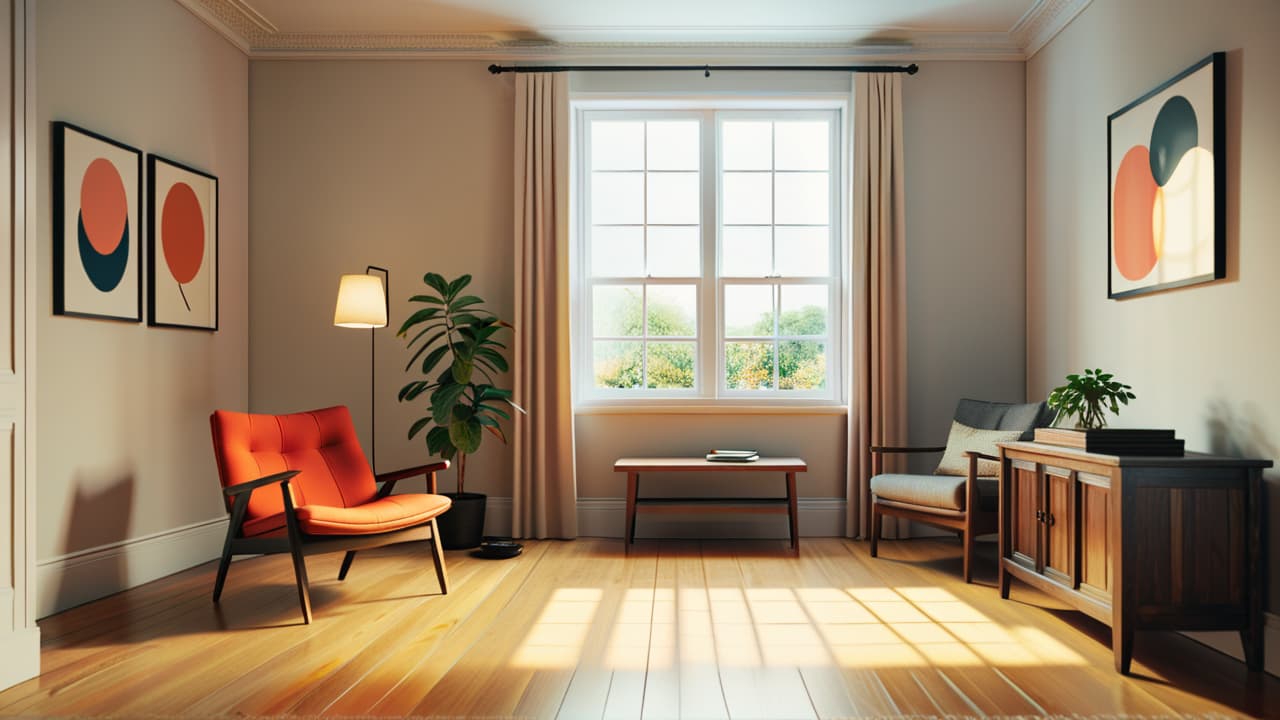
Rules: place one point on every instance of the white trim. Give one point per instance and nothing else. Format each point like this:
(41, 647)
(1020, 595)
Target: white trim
(79, 577)
(717, 407)
(818, 517)
(257, 37)
(1228, 643)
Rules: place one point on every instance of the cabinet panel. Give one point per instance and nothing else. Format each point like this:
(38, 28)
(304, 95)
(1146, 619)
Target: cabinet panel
(1059, 555)
(1095, 536)
(1024, 522)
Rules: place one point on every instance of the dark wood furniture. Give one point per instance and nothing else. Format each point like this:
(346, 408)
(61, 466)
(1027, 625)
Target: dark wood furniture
(634, 466)
(1139, 543)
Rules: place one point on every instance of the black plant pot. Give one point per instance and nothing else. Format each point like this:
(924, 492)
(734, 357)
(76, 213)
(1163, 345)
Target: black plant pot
(462, 526)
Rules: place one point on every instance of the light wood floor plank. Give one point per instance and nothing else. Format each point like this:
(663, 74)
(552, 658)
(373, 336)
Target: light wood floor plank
(581, 629)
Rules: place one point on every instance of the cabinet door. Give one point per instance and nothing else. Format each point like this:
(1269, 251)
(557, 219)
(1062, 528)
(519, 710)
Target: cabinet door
(1095, 536)
(1059, 551)
(1024, 520)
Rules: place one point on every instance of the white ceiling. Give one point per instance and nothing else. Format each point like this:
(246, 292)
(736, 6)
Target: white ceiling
(532, 29)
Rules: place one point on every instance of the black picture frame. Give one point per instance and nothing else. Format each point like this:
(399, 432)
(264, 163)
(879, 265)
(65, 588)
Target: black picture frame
(105, 284)
(183, 293)
(1150, 209)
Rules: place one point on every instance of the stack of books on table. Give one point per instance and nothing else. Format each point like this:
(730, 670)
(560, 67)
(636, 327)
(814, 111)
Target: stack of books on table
(1115, 441)
(740, 456)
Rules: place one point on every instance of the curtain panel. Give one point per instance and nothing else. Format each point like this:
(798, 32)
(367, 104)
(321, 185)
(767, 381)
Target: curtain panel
(878, 390)
(544, 483)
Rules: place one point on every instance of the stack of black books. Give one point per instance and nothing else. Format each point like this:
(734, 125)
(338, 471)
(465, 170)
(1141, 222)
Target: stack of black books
(1115, 441)
(733, 456)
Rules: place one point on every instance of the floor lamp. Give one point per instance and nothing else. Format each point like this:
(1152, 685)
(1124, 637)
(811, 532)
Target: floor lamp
(364, 301)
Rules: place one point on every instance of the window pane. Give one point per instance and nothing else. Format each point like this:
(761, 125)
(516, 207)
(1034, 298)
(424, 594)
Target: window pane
(746, 145)
(671, 365)
(801, 145)
(617, 198)
(803, 310)
(673, 252)
(802, 198)
(747, 252)
(673, 145)
(748, 366)
(615, 310)
(617, 145)
(617, 364)
(673, 310)
(674, 198)
(747, 198)
(748, 310)
(616, 251)
(803, 251)
(802, 365)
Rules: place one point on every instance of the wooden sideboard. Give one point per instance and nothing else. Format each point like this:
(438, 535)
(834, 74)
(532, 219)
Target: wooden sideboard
(1139, 543)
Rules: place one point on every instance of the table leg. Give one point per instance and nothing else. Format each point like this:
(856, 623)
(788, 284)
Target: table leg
(791, 513)
(633, 484)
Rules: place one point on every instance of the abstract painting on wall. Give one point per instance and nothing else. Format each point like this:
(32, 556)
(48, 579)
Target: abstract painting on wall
(1167, 172)
(182, 261)
(97, 188)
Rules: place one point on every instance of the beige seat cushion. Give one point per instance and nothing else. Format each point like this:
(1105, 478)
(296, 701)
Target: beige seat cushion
(945, 492)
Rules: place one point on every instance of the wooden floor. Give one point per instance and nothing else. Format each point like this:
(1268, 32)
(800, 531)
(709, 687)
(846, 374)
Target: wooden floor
(578, 630)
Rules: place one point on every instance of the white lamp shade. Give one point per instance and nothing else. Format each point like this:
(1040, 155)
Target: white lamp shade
(361, 303)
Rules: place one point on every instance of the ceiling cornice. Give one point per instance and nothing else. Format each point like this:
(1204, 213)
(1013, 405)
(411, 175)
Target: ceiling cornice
(258, 38)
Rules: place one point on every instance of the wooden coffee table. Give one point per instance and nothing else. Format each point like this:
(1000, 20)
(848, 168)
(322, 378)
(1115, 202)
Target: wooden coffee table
(634, 466)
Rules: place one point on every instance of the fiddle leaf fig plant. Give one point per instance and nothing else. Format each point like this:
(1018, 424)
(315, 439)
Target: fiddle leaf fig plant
(1089, 396)
(457, 353)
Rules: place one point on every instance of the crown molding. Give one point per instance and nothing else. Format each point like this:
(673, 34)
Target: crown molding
(1043, 21)
(258, 38)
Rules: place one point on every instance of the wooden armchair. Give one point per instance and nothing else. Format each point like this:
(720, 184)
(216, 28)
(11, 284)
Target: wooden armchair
(328, 498)
(964, 497)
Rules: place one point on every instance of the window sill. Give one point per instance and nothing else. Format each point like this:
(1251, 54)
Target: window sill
(719, 408)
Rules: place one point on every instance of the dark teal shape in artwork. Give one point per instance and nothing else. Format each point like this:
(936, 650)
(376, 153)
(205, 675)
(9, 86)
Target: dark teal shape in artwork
(1174, 133)
(104, 271)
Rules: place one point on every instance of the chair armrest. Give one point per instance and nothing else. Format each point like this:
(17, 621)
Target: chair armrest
(892, 449)
(981, 455)
(391, 478)
(252, 485)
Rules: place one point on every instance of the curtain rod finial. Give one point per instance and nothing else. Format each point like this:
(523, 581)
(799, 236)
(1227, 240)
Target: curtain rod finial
(494, 69)
(912, 69)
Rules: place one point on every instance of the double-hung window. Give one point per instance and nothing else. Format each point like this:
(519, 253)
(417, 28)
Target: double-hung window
(708, 254)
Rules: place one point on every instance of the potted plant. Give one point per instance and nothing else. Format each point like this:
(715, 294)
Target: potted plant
(456, 351)
(1088, 397)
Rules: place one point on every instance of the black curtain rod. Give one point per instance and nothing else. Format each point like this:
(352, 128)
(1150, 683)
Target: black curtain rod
(911, 69)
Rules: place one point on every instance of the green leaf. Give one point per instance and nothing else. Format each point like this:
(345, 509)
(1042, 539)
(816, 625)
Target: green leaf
(495, 410)
(418, 425)
(426, 299)
(465, 435)
(443, 401)
(437, 282)
(464, 301)
(456, 285)
(420, 316)
(493, 393)
(433, 358)
(494, 357)
(426, 368)
(438, 439)
(463, 368)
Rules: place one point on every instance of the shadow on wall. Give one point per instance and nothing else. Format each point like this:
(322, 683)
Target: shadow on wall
(99, 519)
(1240, 431)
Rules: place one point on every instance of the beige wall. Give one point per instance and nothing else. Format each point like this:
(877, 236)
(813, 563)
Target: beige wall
(1200, 359)
(407, 165)
(123, 436)
(404, 165)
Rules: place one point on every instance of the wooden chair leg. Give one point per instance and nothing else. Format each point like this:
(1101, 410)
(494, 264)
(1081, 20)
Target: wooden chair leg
(968, 556)
(300, 576)
(346, 564)
(437, 556)
(876, 519)
(222, 571)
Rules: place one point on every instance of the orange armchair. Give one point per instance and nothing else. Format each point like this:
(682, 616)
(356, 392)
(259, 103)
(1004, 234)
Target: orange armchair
(328, 498)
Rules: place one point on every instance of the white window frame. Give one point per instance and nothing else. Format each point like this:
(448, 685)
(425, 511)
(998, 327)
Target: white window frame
(709, 376)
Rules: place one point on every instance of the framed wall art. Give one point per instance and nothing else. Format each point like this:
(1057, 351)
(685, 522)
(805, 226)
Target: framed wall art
(182, 258)
(97, 191)
(1166, 179)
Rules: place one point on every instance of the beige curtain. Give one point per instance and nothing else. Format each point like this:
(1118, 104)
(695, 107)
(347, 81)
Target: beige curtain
(878, 391)
(544, 487)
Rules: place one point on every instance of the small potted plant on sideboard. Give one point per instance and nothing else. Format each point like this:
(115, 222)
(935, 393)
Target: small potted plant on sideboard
(1088, 396)
(457, 353)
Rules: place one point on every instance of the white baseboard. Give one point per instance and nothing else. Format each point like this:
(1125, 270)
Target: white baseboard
(76, 578)
(604, 517)
(1228, 643)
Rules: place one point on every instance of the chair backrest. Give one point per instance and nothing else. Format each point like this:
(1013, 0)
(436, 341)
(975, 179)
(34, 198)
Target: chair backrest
(320, 443)
(986, 415)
